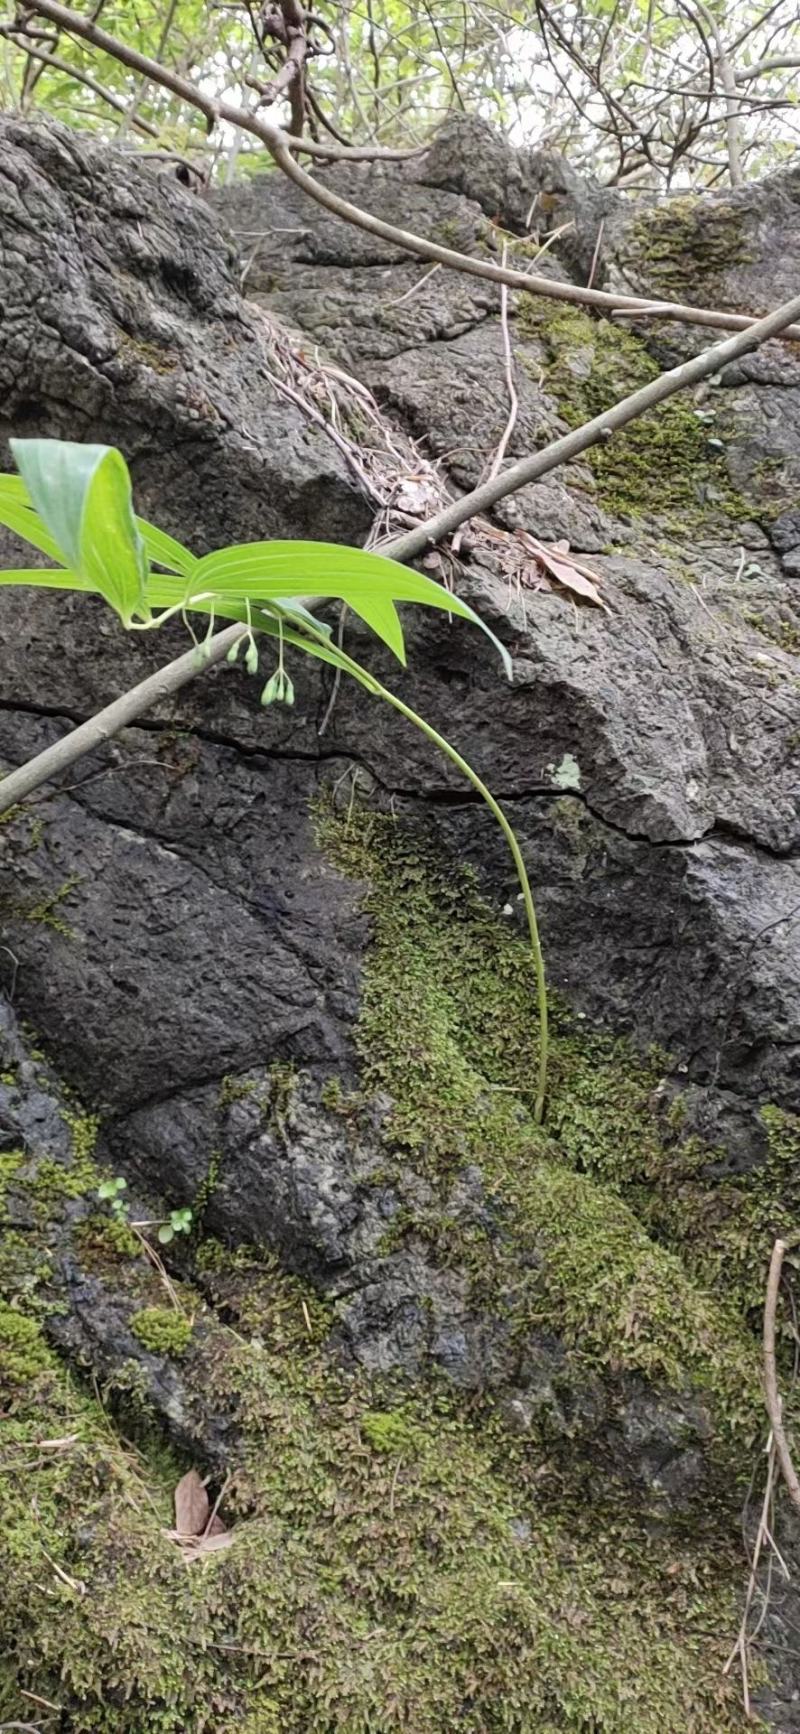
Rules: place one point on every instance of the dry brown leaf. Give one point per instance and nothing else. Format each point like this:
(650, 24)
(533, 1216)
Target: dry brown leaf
(191, 1505)
(563, 569)
(195, 1547)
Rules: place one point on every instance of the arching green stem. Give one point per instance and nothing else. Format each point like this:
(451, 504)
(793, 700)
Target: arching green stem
(373, 685)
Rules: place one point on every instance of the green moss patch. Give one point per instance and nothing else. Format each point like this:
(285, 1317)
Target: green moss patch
(722, 1227)
(162, 1330)
(400, 1560)
(448, 1030)
(388, 1570)
(661, 465)
(685, 245)
(22, 1352)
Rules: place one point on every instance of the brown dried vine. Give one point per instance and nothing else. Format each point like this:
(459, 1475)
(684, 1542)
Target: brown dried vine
(771, 1391)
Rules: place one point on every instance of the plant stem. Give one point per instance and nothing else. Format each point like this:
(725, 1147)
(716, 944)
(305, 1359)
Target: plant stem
(373, 685)
(507, 829)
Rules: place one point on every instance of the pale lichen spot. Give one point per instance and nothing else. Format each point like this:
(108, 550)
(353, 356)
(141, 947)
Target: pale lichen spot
(567, 775)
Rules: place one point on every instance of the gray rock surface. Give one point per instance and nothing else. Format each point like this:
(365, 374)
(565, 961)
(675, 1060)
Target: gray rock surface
(672, 854)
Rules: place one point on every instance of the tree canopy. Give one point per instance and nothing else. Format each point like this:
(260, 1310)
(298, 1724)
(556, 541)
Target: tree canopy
(650, 93)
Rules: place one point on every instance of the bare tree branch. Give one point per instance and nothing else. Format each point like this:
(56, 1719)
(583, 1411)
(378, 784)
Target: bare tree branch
(280, 145)
(776, 64)
(732, 111)
(99, 729)
(41, 54)
(288, 26)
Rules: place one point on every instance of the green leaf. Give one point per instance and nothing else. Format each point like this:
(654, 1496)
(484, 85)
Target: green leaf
(110, 1188)
(111, 549)
(165, 550)
(57, 474)
(265, 571)
(230, 582)
(380, 614)
(18, 515)
(82, 493)
(43, 578)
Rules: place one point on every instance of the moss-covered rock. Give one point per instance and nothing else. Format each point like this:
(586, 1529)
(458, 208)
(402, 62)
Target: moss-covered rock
(684, 245)
(664, 464)
(399, 1557)
(387, 1568)
(448, 1030)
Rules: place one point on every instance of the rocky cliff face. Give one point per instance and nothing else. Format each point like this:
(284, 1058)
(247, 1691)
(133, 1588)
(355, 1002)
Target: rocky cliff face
(488, 1395)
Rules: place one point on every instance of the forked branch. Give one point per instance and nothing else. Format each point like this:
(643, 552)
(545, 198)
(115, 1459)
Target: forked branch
(282, 145)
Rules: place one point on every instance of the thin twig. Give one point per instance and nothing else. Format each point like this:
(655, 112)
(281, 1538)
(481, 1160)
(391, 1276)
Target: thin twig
(217, 1503)
(47, 1703)
(596, 254)
(73, 1583)
(109, 96)
(740, 1647)
(513, 400)
(399, 299)
(337, 675)
(771, 1391)
(158, 1266)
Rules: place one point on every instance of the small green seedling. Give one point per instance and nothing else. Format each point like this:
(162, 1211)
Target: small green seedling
(111, 1192)
(180, 1222)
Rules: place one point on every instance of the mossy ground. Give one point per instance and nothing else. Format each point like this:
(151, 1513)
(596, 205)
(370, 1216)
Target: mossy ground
(389, 1569)
(400, 1560)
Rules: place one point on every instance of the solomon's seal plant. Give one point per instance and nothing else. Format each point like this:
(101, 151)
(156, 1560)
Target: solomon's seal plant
(74, 504)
